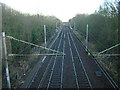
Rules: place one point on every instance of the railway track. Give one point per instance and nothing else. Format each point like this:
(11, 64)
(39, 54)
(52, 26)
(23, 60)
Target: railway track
(48, 74)
(33, 83)
(55, 77)
(83, 79)
(71, 70)
(106, 74)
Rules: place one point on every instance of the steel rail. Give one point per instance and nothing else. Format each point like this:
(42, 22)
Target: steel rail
(73, 62)
(107, 75)
(81, 61)
(45, 73)
(54, 64)
(62, 64)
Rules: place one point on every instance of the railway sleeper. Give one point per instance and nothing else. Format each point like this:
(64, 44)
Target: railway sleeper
(83, 77)
(56, 81)
(44, 85)
(55, 86)
(56, 74)
(84, 86)
(55, 78)
(83, 80)
(57, 69)
(83, 83)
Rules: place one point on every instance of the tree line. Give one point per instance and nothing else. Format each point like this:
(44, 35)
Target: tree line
(104, 32)
(103, 25)
(26, 27)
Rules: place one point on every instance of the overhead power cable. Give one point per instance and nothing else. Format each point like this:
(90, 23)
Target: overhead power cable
(33, 45)
(33, 54)
(109, 48)
(100, 53)
(107, 55)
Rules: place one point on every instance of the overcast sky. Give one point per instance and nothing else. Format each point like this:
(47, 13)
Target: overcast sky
(62, 9)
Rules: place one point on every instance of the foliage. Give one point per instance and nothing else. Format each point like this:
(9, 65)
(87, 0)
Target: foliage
(103, 26)
(26, 27)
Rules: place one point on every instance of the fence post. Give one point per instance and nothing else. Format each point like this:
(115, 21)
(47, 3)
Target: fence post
(6, 62)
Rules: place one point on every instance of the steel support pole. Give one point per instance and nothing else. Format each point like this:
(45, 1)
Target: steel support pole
(87, 37)
(6, 62)
(56, 26)
(45, 34)
(0, 47)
